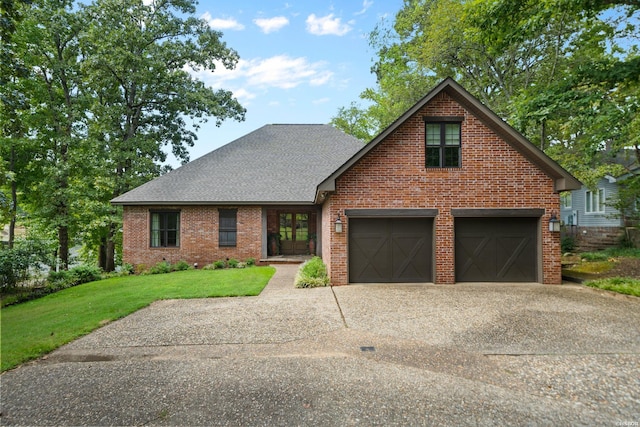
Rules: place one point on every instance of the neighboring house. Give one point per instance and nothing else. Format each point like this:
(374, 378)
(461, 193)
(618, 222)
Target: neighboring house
(588, 215)
(447, 193)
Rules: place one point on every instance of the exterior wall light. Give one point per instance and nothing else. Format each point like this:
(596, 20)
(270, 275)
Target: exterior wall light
(554, 223)
(338, 224)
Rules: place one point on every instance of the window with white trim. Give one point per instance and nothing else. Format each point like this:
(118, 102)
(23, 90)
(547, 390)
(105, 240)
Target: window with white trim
(594, 201)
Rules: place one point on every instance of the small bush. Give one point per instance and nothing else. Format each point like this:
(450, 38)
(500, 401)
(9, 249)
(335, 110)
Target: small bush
(220, 264)
(250, 262)
(86, 273)
(233, 263)
(160, 268)
(60, 279)
(211, 266)
(181, 265)
(568, 244)
(312, 274)
(241, 265)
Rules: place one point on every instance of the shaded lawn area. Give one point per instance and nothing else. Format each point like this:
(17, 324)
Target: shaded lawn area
(34, 328)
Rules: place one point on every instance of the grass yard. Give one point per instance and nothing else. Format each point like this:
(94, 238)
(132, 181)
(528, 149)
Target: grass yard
(32, 329)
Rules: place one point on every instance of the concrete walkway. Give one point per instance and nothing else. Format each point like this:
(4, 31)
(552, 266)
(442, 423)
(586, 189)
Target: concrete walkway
(480, 354)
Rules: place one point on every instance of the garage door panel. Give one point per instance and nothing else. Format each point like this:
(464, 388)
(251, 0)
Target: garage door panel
(369, 255)
(390, 249)
(496, 249)
(408, 255)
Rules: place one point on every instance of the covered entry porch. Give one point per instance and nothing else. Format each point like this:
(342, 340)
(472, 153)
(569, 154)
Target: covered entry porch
(292, 231)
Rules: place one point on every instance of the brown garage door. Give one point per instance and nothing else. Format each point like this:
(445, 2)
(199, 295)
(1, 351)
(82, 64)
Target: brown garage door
(496, 249)
(390, 250)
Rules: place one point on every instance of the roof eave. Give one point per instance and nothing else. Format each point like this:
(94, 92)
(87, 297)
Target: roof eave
(210, 203)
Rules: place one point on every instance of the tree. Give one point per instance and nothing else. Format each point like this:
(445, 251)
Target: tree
(354, 121)
(137, 54)
(107, 90)
(12, 103)
(47, 40)
(563, 72)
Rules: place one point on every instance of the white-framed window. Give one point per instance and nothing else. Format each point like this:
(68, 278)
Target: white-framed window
(565, 200)
(594, 202)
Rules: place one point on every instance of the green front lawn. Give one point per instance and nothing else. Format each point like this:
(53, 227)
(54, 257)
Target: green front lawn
(34, 328)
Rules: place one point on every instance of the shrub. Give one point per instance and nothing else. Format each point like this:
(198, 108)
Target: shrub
(220, 264)
(233, 263)
(160, 268)
(86, 273)
(181, 265)
(61, 279)
(250, 262)
(241, 265)
(568, 244)
(211, 266)
(312, 274)
(17, 263)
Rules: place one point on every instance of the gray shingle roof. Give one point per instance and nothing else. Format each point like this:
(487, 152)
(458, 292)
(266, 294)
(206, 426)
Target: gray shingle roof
(271, 165)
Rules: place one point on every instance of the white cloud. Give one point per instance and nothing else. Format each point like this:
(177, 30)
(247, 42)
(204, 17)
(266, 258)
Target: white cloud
(320, 101)
(366, 4)
(327, 25)
(281, 71)
(285, 72)
(269, 25)
(222, 24)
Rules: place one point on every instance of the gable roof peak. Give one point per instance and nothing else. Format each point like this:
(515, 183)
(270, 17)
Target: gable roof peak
(563, 180)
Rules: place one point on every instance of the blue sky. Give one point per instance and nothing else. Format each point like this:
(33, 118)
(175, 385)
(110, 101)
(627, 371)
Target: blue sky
(299, 60)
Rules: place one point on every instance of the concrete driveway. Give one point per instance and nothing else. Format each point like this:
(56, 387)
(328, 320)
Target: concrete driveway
(479, 354)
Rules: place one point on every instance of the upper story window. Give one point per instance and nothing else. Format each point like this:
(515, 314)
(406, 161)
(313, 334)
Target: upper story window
(165, 229)
(442, 141)
(228, 233)
(594, 202)
(565, 200)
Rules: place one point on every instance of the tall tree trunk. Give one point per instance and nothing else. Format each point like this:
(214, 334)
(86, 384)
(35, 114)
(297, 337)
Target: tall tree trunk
(13, 209)
(110, 264)
(63, 246)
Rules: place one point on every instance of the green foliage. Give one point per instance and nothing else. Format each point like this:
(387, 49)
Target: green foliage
(250, 262)
(621, 285)
(596, 256)
(17, 265)
(232, 263)
(160, 268)
(565, 74)
(311, 274)
(35, 328)
(567, 244)
(181, 265)
(220, 264)
(91, 94)
(611, 253)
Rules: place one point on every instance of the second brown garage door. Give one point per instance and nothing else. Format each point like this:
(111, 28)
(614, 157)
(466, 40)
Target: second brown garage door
(496, 249)
(390, 250)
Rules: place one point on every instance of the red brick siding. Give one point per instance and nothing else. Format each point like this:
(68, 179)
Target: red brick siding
(393, 175)
(198, 236)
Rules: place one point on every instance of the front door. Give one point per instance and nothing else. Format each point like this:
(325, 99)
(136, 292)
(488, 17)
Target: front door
(294, 230)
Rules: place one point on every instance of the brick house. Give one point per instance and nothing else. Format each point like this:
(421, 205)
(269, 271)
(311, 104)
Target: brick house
(447, 193)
